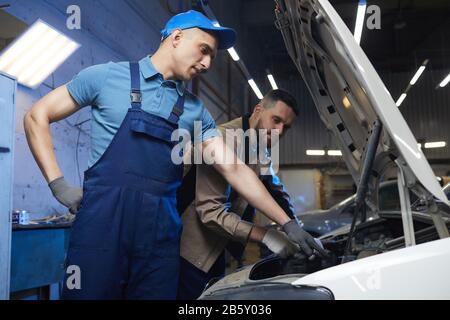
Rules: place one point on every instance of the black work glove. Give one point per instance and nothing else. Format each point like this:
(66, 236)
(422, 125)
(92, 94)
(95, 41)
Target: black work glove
(67, 195)
(306, 241)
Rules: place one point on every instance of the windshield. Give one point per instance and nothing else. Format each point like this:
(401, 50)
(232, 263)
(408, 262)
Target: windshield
(389, 199)
(345, 201)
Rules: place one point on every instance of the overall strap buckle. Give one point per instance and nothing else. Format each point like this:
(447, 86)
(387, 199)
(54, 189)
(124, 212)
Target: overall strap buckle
(136, 96)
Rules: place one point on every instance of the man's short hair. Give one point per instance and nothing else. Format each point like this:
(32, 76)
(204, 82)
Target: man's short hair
(271, 98)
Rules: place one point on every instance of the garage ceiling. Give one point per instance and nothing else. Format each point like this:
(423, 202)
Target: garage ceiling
(411, 31)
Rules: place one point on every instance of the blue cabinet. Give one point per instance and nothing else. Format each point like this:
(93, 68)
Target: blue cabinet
(7, 133)
(37, 256)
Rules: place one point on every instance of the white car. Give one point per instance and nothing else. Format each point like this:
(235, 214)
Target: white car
(405, 255)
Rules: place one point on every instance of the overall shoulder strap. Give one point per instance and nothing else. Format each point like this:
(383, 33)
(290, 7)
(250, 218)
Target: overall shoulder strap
(135, 93)
(177, 109)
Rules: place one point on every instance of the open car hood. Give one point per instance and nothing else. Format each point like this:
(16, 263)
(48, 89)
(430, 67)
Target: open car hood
(348, 92)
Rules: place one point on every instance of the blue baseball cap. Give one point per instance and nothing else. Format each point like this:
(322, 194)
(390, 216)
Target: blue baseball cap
(194, 19)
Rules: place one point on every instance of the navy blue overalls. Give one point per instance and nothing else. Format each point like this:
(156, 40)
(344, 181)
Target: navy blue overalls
(125, 239)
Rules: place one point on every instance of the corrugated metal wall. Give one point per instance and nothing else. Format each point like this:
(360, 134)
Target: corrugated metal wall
(426, 110)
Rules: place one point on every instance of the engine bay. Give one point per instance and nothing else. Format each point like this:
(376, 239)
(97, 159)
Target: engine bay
(370, 238)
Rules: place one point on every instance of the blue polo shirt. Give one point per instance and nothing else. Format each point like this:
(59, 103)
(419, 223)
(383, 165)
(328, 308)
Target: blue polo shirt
(106, 87)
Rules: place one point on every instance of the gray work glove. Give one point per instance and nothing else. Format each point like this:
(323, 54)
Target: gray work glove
(306, 241)
(279, 243)
(67, 195)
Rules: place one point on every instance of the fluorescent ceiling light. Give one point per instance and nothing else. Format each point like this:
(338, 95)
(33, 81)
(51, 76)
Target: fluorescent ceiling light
(417, 75)
(445, 81)
(400, 100)
(419, 145)
(255, 88)
(334, 153)
(346, 102)
(360, 20)
(233, 54)
(315, 152)
(34, 55)
(438, 144)
(272, 82)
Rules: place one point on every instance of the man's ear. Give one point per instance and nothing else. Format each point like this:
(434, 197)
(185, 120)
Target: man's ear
(257, 110)
(176, 36)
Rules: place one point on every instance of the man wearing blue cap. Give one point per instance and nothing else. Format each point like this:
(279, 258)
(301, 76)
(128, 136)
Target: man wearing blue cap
(125, 239)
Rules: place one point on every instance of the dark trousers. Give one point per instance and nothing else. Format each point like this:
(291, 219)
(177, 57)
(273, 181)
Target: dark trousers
(193, 280)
